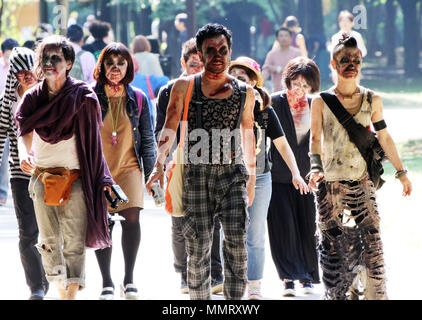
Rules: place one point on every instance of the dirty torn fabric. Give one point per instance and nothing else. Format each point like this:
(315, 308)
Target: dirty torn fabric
(350, 245)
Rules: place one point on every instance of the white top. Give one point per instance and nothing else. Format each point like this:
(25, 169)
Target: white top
(340, 157)
(149, 63)
(339, 35)
(62, 154)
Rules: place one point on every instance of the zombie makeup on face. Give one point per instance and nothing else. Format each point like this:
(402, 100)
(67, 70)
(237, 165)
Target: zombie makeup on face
(51, 61)
(299, 87)
(115, 68)
(348, 63)
(240, 74)
(194, 64)
(216, 54)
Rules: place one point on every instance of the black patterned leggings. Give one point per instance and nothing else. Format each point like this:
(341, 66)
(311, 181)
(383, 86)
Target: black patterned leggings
(349, 239)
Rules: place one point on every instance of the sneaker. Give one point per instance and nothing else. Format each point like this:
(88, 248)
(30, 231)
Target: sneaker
(129, 292)
(37, 294)
(307, 287)
(254, 290)
(184, 284)
(107, 293)
(216, 285)
(289, 288)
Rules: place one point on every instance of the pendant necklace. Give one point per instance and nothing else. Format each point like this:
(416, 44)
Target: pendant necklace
(114, 121)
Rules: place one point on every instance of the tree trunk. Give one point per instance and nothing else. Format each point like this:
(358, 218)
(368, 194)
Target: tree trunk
(410, 38)
(143, 21)
(314, 18)
(390, 33)
(191, 23)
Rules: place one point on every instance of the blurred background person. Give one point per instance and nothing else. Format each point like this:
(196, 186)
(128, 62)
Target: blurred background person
(298, 40)
(84, 64)
(346, 23)
(102, 33)
(278, 58)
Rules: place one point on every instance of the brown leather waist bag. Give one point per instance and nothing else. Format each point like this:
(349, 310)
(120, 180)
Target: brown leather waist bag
(57, 184)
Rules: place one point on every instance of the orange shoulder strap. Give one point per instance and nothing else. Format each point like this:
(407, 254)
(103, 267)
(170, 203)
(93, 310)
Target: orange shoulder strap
(185, 112)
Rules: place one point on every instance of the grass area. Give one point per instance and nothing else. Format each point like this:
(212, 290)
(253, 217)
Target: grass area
(411, 155)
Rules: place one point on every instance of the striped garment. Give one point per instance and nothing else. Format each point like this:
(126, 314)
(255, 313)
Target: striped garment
(20, 59)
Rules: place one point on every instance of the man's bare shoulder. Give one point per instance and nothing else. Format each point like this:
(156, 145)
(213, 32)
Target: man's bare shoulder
(182, 83)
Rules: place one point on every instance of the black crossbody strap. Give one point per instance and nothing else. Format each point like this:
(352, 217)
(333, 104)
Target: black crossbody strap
(243, 89)
(337, 108)
(198, 101)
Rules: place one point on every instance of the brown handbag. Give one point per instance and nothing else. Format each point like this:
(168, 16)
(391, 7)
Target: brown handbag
(57, 184)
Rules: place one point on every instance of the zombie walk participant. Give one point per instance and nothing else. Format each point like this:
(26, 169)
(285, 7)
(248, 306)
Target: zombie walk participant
(291, 215)
(20, 78)
(348, 220)
(267, 125)
(59, 123)
(129, 148)
(214, 187)
(191, 64)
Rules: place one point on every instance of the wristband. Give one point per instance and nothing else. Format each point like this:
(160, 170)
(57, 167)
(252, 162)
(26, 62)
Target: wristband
(316, 163)
(399, 173)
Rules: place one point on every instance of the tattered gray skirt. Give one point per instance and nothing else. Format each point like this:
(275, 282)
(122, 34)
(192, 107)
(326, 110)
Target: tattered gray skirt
(350, 246)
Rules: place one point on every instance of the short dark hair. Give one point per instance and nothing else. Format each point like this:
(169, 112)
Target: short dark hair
(99, 29)
(282, 29)
(9, 44)
(53, 42)
(75, 33)
(118, 49)
(189, 48)
(345, 42)
(30, 44)
(304, 67)
(211, 30)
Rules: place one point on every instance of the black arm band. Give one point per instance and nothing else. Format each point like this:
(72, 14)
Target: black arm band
(316, 163)
(380, 125)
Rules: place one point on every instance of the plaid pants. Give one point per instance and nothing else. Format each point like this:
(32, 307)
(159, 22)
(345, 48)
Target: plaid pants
(210, 190)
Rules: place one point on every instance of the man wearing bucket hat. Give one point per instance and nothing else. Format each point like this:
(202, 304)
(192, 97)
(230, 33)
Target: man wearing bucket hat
(266, 125)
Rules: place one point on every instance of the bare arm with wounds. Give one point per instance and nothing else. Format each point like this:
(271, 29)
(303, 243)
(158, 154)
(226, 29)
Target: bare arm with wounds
(388, 144)
(168, 133)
